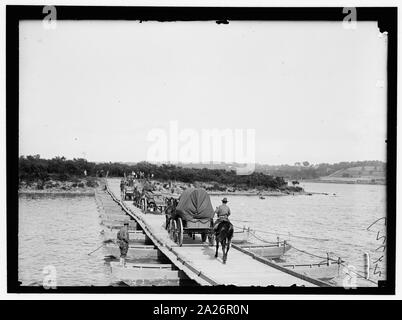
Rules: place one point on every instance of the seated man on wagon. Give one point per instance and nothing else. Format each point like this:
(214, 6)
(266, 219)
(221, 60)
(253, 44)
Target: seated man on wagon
(222, 212)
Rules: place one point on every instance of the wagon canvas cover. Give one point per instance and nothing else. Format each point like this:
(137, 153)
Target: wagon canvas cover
(194, 203)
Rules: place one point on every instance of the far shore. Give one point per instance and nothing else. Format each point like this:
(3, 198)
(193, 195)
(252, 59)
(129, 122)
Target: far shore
(87, 186)
(55, 191)
(343, 182)
(258, 194)
(90, 192)
(84, 186)
(81, 187)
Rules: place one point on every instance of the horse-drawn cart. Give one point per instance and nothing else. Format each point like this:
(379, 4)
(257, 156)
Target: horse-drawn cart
(127, 188)
(128, 193)
(193, 215)
(152, 202)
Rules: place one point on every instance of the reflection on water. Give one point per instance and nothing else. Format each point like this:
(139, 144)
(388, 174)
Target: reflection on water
(60, 231)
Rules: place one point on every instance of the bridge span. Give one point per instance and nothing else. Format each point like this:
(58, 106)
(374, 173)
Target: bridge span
(197, 260)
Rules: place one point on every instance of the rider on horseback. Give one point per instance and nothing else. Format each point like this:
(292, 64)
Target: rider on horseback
(223, 212)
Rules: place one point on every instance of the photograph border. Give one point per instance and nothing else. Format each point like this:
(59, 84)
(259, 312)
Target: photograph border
(387, 21)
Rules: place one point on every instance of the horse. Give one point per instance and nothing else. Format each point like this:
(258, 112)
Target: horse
(170, 210)
(223, 235)
(137, 198)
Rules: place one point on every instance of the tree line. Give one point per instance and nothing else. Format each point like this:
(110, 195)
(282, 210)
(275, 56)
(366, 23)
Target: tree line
(34, 167)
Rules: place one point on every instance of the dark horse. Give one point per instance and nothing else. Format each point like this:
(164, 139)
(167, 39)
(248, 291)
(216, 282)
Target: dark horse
(223, 235)
(170, 210)
(137, 197)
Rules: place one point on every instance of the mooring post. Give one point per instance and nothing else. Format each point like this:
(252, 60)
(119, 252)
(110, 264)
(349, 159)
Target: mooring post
(366, 265)
(277, 240)
(339, 264)
(327, 259)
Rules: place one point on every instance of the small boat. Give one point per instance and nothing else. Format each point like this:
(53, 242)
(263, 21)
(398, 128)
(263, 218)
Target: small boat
(134, 236)
(321, 271)
(118, 224)
(134, 251)
(140, 273)
(241, 236)
(269, 251)
(115, 217)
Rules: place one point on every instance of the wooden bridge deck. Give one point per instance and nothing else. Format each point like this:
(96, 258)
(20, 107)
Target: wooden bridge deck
(197, 260)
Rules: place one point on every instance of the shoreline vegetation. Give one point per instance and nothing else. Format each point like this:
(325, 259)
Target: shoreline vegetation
(60, 175)
(70, 185)
(79, 176)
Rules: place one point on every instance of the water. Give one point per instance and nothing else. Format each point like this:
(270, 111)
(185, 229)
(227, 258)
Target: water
(60, 231)
(335, 223)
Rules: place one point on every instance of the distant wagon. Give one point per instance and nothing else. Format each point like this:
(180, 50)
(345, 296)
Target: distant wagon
(128, 193)
(152, 202)
(193, 215)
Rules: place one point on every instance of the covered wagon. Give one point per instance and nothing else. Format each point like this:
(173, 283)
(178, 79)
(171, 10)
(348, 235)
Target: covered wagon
(193, 215)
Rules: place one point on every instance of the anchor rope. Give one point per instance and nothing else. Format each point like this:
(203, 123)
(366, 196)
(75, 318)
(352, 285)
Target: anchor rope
(282, 234)
(263, 240)
(324, 258)
(303, 251)
(314, 255)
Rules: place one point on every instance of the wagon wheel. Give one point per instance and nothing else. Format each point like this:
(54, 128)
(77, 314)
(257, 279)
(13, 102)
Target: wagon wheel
(180, 232)
(167, 223)
(173, 230)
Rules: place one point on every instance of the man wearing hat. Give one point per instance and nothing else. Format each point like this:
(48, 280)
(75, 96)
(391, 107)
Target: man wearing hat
(123, 239)
(222, 212)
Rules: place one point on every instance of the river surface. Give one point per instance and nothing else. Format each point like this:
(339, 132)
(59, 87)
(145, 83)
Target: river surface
(335, 223)
(58, 232)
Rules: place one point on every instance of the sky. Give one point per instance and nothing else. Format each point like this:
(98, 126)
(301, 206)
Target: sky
(309, 91)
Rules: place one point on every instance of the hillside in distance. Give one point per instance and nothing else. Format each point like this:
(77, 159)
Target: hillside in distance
(368, 169)
(361, 174)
